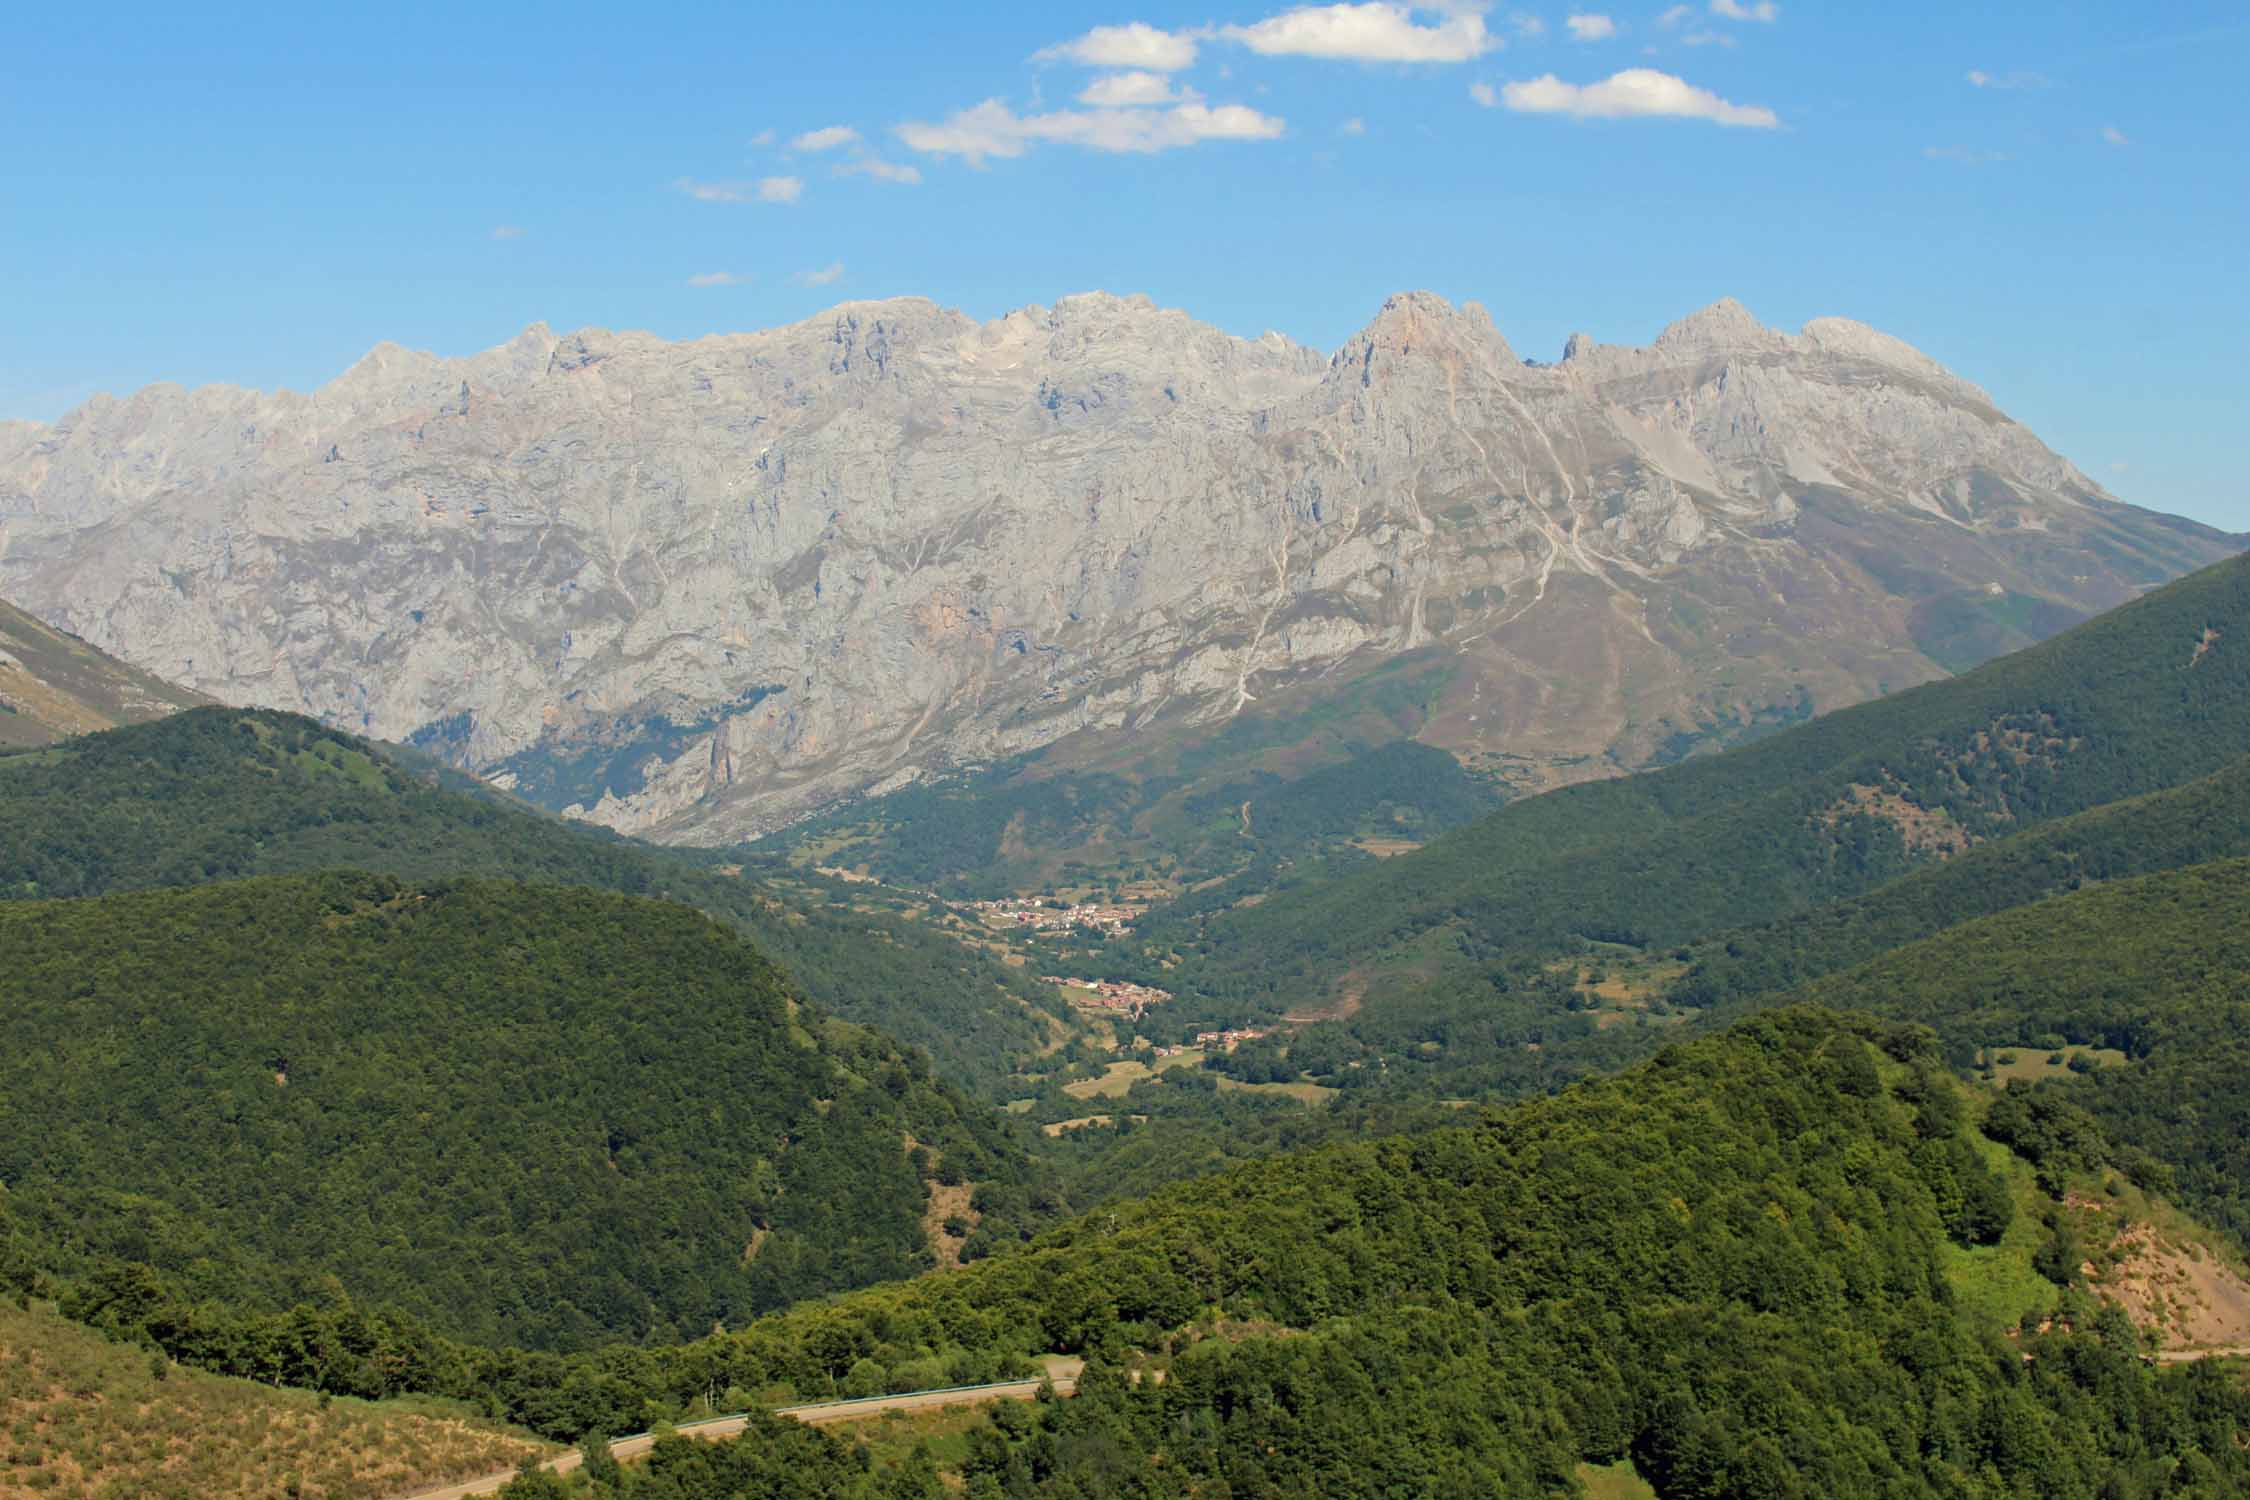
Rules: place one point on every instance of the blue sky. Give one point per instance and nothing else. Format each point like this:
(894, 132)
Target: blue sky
(2051, 199)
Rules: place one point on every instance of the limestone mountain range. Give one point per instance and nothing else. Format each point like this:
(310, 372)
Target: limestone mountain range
(696, 589)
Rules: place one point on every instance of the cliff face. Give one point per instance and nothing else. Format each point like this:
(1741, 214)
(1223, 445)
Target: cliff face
(693, 589)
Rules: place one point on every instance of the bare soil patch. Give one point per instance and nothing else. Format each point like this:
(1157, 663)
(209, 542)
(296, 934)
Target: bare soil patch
(2195, 1299)
(948, 1202)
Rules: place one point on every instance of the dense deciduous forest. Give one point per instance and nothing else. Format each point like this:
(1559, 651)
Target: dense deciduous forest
(525, 1114)
(2156, 967)
(217, 794)
(2206, 819)
(1729, 1263)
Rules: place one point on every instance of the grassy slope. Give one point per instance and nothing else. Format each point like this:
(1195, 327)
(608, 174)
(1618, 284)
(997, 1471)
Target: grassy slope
(2110, 710)
(82, 1417)
(53, 685)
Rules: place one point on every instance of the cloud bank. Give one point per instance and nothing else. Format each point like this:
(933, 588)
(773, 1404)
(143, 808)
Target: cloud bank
(764, 190)
(1134, 45)
(1636, 93)
(1373, 32)
(993, 129)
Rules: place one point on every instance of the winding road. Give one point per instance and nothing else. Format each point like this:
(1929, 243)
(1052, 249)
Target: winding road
(1064, 1373)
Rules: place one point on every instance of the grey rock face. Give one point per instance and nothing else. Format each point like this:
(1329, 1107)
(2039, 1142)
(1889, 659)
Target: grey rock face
(695, 589)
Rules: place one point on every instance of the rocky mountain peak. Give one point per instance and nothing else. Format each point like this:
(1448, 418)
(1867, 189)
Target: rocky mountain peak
(1842, 336)
(1423, 326)
(1726, 326)
(760, 570)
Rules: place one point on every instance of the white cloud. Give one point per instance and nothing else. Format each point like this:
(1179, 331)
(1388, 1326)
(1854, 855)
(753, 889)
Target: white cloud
(1967, 156)
(1591, 28)
(1675, 16)
(1528, 26)
(764, 190)
(826, 276)
(1133, 45)
(827, 138)
(1707, 39)
(1485, 94)
(1979, 78)
(993, 129)
(2111, 135)
(1353, 126)
(881, 171)
(1735, 10)
(718, 278)
(1118, 90)
(1636, 93)
(1375, 31)
(762, 138)
(507, 231)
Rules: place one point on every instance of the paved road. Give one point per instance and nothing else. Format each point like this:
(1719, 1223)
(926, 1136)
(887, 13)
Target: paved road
(815, 1412)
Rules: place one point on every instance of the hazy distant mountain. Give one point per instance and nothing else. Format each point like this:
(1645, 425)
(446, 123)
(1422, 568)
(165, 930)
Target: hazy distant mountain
(53, 686)
(697, 588)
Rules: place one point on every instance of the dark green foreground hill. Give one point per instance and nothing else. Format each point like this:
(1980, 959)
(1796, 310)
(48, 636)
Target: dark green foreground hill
(527, 1114)
(1745, 1265)
(218, 794)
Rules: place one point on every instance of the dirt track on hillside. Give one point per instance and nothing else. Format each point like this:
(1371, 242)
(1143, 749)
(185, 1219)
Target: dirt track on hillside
(816, 1413)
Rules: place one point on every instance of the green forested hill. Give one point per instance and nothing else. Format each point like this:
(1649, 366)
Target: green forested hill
(1747, 1265)
(2204, 820)
(2149, 696)
(216, 794)
(2157, 967)
(528, 1114)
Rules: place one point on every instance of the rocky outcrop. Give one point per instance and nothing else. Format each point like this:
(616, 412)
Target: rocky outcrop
(696, 588)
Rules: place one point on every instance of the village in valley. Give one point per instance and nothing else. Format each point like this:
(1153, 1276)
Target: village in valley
(1122, 1018)
(1052, 916)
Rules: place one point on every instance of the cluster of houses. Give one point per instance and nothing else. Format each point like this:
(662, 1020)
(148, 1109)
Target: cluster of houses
(1115, 994)
(1223, 1040)
(1038, 918)
(1227, 1039)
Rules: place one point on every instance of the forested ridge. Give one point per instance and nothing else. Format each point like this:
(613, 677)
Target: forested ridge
(216, 794)
(525, 1114)
(2149, 696)
(1736, 1264)
(2157, 967)
(2206, 819)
